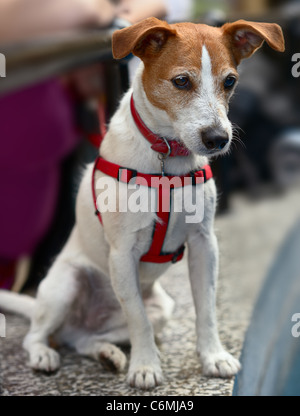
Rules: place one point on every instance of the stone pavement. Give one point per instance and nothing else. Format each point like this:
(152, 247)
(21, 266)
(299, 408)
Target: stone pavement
(248, 237)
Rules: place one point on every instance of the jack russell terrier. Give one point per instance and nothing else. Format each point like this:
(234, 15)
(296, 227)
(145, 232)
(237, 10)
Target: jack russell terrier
(102, 289)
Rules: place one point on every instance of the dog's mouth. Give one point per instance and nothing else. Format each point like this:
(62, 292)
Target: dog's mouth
(212, 142)
(216, 152)
(203, 151)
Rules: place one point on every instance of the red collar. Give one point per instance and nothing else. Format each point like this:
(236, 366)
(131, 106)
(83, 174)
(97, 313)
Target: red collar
(159, 144)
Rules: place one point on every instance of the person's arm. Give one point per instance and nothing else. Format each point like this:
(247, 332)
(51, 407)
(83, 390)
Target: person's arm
(20, 19)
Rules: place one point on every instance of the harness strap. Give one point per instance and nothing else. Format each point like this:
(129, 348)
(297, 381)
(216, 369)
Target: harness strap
(125, 175)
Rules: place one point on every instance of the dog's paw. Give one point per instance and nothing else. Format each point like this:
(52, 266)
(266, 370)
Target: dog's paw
(112, 358)
(220, 364)
(145, 377)
(43, 358)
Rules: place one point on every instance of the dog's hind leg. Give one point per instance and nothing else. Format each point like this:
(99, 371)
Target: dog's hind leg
(159, 307)
(55, 296)
(100, 347)
(109, 355)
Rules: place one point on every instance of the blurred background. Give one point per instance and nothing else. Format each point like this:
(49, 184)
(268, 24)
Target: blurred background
(61, 88)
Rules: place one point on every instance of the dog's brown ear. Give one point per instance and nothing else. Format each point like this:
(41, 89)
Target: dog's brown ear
(246, 37)
(142, 39)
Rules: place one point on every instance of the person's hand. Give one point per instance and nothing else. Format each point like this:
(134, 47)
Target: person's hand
(104, 11)
(136, 10)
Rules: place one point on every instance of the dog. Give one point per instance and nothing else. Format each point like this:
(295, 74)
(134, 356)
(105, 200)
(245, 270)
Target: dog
(102, 289)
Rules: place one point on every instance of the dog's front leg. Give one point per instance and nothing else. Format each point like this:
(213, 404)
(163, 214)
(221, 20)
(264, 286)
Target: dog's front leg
(203, 270)
(144, 370)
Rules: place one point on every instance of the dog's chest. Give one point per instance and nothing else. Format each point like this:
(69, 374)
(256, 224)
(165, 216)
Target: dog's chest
(176, 207)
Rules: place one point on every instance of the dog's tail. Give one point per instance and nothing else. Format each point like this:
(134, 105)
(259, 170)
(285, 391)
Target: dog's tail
(16, 303)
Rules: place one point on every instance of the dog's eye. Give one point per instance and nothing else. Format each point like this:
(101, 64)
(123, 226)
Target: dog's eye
(229, 82)
(182, 82)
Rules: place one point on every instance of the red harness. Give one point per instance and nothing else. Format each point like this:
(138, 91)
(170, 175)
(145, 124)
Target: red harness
(173, 148)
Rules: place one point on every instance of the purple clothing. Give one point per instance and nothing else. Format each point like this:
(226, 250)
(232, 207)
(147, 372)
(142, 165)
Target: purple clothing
(36, 132)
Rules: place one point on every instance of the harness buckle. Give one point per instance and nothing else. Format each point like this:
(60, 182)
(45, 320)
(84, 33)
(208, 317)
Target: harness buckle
(193, 176)
(178, 253)
(132, 171)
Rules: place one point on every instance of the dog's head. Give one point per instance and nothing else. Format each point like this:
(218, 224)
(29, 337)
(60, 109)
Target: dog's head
(190, 71)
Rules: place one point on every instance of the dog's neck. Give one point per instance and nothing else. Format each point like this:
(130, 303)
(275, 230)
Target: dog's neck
(158, 120)
(125, 145)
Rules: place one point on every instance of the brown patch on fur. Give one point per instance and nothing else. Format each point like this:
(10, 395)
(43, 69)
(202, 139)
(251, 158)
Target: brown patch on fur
(142, 39)
(184, 51)
(253, 34)
(165, 48)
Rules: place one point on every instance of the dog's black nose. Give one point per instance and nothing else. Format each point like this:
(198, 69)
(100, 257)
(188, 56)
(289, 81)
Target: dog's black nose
(214, 139)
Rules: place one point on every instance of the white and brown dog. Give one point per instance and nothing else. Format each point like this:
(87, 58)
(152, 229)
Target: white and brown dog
(102, 289)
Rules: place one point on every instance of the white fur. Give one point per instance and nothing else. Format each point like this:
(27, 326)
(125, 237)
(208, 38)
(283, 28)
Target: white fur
(205, 109)
(216, 110)
(99, 270)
